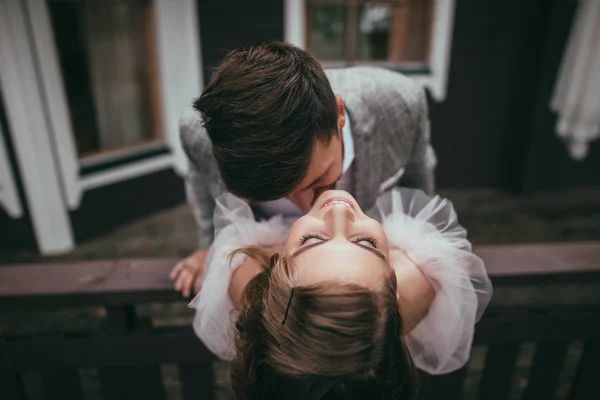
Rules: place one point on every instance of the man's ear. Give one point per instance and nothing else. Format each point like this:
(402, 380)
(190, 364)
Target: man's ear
(341, 112)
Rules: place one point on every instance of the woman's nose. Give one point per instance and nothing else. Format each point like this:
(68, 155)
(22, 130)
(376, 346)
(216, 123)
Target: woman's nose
(339, 219)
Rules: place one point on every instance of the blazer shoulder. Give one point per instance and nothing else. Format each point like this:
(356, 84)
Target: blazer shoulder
(391, 85)
(385, 93)
(194, 137)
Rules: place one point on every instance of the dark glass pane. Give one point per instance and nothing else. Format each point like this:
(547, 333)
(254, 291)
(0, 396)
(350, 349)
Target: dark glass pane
(397, 33)
(108, 66)
(373, 39)
(327, 31)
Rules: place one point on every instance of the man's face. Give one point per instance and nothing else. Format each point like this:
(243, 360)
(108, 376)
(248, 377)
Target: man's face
(323, 172)
(325, 169)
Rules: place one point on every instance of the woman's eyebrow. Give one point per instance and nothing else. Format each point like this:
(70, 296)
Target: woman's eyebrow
(302, 249)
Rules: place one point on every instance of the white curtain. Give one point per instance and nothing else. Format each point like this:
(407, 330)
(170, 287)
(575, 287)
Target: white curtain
(576, 97)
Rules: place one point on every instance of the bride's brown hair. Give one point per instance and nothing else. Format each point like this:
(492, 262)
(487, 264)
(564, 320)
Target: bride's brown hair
(332, 341)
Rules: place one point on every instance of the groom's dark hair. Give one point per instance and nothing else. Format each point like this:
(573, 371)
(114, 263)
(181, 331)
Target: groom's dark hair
(264, 108)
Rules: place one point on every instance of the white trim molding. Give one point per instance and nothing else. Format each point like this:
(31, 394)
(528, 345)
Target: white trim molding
(29, 131)
(436, 81)
(9, 197)
(441, 48)
(294, 14)
(127, 171)
(56, 101)
(180, 63)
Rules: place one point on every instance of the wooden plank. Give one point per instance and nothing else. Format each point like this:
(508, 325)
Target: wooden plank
(512, 263)
(140, 280)
(173, 347)
(126, 383)
(11, 386)
(585, 385)
(398, 32)
(60, 384)
(447, 386)
(87, 283)
(309, 25)
(197, 381)
(153, 69)
(119, 319)
(429, 29)
(89, 277)
(351, 31)
(176, 346)
(418, 31)
(545, 371)
(517, 325)
(498, 372)
(110, 276)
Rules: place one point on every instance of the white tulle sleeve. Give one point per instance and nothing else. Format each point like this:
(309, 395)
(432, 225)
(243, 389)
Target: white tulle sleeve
(427, 230)
(235, 227)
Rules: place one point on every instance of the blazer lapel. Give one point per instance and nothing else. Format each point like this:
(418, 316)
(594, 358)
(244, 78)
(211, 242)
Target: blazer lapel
(369, 157)
(368, 145)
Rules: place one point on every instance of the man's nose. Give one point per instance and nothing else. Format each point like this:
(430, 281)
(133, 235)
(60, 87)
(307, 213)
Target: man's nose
(304, 199)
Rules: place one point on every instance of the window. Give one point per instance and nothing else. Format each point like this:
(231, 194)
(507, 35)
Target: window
(93, 91)
(410, 36)
(106, 52)
(394, 33)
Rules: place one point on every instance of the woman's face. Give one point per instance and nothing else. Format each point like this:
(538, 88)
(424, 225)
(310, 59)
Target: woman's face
(337, 241)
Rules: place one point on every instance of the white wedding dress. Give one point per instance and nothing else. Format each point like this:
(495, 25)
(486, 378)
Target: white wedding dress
(425, 228)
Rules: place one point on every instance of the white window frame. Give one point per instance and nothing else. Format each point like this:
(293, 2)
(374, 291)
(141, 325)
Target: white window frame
(9, 197)
(436, 81)
(39, 120)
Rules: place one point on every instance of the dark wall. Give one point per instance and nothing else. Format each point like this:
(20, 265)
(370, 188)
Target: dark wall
(226, 25)
(495, 127)
(480, 130)
(108, 207)
(547, 164)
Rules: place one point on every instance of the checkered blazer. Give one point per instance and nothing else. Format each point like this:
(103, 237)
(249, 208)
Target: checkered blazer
(390, 126)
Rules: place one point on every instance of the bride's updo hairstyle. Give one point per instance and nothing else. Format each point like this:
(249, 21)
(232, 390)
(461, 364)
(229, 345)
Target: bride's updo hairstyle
(326, 340)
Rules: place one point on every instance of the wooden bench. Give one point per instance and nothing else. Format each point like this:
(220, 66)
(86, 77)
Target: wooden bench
(128, 352)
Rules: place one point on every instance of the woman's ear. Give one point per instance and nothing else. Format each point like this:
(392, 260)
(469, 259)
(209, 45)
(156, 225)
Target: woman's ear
(240, 278)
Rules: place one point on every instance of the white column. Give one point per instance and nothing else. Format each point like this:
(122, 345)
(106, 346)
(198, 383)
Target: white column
(179, 58)
(441, 47)
(56, 100)
(295, 22)
(31, 133)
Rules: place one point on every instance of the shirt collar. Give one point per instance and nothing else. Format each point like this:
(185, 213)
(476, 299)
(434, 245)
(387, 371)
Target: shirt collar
(348, 145)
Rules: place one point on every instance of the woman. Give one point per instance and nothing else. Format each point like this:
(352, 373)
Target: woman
(330, 316)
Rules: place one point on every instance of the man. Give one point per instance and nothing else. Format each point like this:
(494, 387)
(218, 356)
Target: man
(275, 129)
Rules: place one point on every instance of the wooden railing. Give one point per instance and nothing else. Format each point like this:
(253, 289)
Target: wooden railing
(128, 352)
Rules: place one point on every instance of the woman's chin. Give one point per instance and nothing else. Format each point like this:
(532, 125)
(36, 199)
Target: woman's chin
(333, 194)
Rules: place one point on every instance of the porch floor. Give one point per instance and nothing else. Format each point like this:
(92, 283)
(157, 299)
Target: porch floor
(491, 216)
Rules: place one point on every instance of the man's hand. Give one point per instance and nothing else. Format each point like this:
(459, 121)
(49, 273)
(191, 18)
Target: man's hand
(188, 273)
